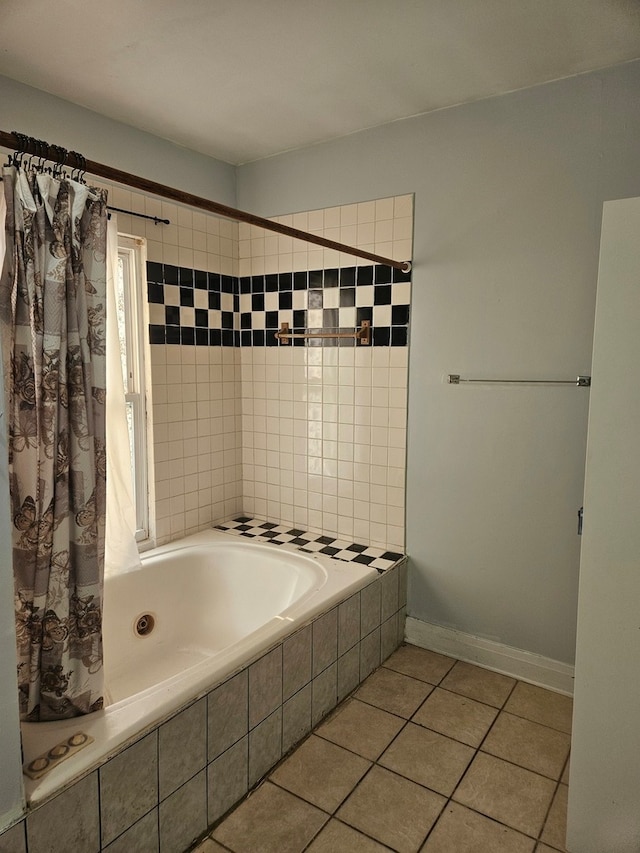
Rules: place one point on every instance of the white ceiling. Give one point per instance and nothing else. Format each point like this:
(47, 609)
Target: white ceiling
(244, 79)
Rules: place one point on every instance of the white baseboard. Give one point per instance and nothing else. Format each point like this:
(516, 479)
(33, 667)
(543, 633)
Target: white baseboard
(526, 666)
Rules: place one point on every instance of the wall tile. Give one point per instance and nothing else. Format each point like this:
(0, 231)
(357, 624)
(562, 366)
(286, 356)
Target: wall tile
(228, 779)
(265, 686)
(296, 718)
(296, 662)
(209, 248)
(183, 815)
(403, 572)
(128, 787)
(388, 637)
(369, 608)
(348, 672)
(182, 747)
(369, 653)
(324, 693)
(72, 818)
(348, 623)
(142, 837)
(228, 713)
(325, 641)
(265, 746)
(14, 840)
(389, 593)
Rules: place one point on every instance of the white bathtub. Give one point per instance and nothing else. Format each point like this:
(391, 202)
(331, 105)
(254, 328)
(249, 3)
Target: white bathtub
(217, 602)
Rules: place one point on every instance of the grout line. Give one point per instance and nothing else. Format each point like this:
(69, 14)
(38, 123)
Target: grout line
(405, 722)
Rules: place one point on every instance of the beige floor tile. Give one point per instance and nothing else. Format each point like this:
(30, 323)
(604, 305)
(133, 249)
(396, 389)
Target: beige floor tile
(566, 771)
(492, 688)
(459, 830)
(456, 716)
(321, 773)
(420, 663)
(542, 848)
(394, 692)
(428, 758)
(528, 744)
(337, 837)
(507, 793)
(361, 728)
(272, 821)
(208, 846)
(555, 828)
(394, 810)
(541, 706)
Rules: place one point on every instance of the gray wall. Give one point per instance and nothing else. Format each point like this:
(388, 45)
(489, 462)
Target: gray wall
(111, 143)
(508, 200)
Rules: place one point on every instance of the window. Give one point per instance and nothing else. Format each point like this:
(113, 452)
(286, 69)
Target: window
(131, 326)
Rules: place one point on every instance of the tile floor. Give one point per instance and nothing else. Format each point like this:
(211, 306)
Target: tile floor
(429, 754)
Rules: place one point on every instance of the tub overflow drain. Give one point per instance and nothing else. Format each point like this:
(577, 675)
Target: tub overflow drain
(144, 624)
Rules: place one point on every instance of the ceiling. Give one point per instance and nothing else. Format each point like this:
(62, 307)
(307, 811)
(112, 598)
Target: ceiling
(245, 79)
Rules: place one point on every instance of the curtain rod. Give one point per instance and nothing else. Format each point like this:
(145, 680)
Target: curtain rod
(38, 148)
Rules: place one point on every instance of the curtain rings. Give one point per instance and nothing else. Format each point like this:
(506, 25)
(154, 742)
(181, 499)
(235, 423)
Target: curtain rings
(60, 158)
(35, 153)
(78, 171)
(19, 153)
(41, 150)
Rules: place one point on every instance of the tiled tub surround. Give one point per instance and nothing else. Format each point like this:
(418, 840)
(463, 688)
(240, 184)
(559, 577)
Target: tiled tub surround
(188, 306)
(197, 437)
(324, 439)
(203, 468)
(311, 542)
(311, 435)
(165, 788)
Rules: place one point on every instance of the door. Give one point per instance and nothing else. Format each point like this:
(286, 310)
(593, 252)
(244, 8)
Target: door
(604, 787)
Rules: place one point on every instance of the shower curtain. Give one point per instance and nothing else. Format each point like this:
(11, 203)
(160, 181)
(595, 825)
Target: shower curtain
(52, 329)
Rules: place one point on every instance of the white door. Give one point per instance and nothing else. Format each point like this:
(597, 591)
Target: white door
(604, 787)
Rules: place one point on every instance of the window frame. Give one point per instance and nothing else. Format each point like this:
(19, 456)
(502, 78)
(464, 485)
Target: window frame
(132, 254)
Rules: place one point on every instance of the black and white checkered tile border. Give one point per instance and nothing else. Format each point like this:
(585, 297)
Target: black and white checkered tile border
(311, 543)
(208, 309)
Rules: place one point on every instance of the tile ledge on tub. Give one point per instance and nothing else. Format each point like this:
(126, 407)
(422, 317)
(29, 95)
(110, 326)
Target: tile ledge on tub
(311, 542)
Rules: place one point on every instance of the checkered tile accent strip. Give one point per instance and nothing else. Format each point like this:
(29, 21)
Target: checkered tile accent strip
(208, 309)
(311, 543)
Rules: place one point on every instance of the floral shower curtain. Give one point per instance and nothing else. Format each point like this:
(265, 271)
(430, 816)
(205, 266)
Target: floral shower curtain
(52, 327)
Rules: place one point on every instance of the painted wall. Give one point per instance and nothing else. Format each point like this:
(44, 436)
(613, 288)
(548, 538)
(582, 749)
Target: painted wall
(114, 144)
(508, 198)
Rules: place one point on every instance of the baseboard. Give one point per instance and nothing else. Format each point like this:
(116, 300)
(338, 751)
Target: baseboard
(526, 666)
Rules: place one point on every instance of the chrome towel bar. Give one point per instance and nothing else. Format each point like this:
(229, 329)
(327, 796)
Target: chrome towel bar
(580, 381)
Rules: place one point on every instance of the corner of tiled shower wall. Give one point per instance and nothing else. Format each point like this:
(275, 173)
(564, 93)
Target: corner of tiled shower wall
(323, 433)
(308, 435)
(324, 427)
(196, 417)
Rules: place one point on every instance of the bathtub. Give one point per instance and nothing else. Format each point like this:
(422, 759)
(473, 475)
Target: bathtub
(196, 611)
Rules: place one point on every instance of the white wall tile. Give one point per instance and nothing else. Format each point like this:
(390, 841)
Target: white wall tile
(298, 439)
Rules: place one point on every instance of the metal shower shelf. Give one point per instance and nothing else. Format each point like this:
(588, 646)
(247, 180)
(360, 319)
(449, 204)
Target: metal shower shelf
(362, 335)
